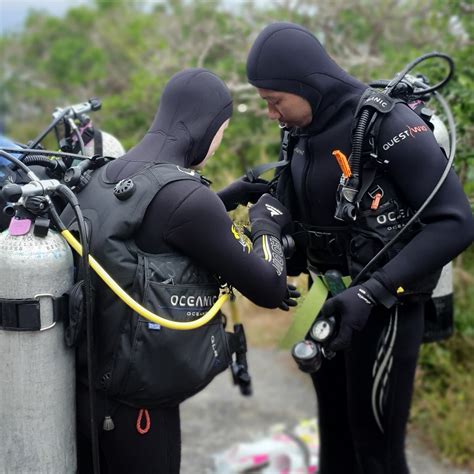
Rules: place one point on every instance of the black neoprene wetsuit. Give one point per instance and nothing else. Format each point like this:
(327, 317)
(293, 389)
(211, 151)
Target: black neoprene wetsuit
(188, 218)
(364, 393)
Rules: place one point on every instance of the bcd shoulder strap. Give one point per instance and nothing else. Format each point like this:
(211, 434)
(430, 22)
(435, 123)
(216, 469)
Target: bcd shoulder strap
(98, 142)
(254, 173)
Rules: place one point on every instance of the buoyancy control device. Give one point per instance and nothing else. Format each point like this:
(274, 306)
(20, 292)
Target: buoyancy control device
(415, 92)
(139, 361)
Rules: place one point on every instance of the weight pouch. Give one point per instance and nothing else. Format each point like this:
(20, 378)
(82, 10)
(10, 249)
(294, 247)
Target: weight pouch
(75, 322)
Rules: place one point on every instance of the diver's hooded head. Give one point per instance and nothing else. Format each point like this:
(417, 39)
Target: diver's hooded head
(288, 58)
(193, 106)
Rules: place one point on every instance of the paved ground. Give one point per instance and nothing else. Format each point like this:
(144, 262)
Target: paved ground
(219, 416)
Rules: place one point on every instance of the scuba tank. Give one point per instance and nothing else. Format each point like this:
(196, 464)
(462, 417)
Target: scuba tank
(37, 375)
(439, 310)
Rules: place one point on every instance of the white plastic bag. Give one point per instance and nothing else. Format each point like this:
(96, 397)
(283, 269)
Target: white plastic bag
(281, 452)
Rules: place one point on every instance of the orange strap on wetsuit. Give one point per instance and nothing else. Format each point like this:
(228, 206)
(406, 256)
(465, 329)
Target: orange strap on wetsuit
(343, 163)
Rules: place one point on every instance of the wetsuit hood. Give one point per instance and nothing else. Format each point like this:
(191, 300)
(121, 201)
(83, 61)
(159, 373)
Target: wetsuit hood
(193, 106)
(287, 57)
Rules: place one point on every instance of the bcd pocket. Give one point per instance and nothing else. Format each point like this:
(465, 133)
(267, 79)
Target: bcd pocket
(158, 366)
(167, 366)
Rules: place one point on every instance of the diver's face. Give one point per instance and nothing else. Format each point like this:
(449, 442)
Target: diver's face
(287, 108)
(216, 141)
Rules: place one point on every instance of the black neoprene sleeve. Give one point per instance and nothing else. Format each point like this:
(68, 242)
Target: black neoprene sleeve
(416, 163)
(191, 218)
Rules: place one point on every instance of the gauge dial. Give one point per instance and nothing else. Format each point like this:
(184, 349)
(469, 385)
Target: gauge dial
(321, 330)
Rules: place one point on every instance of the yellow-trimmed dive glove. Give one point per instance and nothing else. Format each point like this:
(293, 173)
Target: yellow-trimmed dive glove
(268, 217)
(289, 299)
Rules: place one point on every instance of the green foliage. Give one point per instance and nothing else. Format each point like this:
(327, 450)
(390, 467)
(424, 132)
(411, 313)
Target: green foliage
(104, 6)
(443, 405)
(464, 294)
(117, 50)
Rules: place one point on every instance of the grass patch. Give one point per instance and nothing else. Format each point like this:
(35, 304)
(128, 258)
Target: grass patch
(266, 327)
(443, 405)
(263, 327)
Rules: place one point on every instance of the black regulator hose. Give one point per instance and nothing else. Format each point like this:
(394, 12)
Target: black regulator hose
(358, 142)
(16, 161)
(390, 87)
(34, 151)
(53, 165)
(71, 198)
(399, 77)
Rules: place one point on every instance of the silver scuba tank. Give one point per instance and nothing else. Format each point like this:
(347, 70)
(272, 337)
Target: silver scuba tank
(441, 133)
(439, 310)
(37, 375)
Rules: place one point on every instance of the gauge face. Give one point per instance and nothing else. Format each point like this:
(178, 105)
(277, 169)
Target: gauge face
(305, 350)
(321, 330)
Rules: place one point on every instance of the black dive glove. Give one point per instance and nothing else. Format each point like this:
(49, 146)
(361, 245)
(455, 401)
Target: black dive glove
(268, 217)
(289, 300)
(242, 191)
(352, 308)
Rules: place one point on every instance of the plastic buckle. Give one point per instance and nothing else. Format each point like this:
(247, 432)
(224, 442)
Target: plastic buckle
(20, 315)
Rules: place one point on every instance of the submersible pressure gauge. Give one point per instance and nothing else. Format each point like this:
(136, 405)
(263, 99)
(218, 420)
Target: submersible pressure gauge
(307, 355)
(323, 329)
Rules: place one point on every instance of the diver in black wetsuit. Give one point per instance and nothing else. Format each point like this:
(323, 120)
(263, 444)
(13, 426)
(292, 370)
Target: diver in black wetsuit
(363, 393)
(183, 221)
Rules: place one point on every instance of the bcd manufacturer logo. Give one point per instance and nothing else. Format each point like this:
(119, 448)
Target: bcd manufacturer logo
(392, 216)
(214, 346)
(273, 210)
(410, 132)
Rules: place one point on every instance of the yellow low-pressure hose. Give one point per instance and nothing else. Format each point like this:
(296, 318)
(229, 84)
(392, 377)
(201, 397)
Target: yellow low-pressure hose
(137, 307)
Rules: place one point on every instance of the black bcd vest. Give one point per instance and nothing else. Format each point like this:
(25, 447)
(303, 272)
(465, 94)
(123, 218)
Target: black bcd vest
(351, 246)
(139, 362)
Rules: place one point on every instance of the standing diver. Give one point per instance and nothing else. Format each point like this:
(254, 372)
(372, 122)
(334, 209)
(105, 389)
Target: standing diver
(166, 238)
(364, 393)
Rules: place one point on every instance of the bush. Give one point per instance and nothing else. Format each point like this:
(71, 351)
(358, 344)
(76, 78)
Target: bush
(443, 407)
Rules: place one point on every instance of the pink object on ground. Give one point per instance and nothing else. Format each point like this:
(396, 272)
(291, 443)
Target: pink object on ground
(260, 459)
